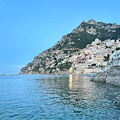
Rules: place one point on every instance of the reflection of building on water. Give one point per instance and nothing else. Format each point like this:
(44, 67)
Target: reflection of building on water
(79, 89)
(73, 81)
(70, 81)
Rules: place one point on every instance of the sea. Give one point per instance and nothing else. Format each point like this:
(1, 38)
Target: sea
(55, 97)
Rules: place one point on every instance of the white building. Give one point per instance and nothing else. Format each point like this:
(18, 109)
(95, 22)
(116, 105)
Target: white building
(114, 60)
(109, 43)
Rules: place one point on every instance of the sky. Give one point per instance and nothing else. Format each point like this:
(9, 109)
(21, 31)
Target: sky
(28, 27)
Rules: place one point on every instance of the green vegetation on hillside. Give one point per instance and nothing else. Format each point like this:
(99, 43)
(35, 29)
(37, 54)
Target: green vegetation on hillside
(81, 39)
(65, 66)
(107, 57)
(118, 48)
(36, 68)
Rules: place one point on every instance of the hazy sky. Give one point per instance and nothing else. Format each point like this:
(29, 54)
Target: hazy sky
(28, 27)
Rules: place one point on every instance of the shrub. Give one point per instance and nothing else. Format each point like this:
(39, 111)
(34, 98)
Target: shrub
(65, 66)
(107, 58)
(36, 68)
(118, 48)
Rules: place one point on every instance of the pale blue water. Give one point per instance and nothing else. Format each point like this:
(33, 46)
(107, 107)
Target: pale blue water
(40, 97)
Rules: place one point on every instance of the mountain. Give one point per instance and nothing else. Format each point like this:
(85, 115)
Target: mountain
(58, 59)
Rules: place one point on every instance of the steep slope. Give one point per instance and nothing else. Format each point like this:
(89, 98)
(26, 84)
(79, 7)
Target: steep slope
(57, 60)
(85, 33)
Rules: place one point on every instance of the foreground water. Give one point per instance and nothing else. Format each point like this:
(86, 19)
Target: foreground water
(40, 97)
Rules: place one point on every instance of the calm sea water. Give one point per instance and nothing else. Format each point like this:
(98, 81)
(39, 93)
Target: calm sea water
(41, 97)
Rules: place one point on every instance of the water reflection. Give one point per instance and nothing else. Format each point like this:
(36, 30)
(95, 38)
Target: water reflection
(73, 81)
(70, 81)
(57, 98)
(78, 95)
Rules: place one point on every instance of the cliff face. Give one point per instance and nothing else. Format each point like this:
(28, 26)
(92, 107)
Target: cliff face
(112, 76)
(49, 62)
(58, 59)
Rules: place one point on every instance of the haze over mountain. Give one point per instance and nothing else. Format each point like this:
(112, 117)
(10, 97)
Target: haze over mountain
(51, 60)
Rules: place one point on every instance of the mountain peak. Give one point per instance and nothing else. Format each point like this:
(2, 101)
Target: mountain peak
(91, 21)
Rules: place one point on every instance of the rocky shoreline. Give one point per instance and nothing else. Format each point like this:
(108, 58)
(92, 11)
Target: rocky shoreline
(111, 76)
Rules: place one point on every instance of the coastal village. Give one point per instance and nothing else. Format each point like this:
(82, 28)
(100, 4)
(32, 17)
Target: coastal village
(97, 57)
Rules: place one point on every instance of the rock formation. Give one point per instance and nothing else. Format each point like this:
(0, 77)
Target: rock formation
(111, 76)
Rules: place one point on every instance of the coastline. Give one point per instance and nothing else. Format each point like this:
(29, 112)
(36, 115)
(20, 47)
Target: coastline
(111, 76)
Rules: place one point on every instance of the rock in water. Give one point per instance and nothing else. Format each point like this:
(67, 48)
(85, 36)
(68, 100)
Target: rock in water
(112, 76)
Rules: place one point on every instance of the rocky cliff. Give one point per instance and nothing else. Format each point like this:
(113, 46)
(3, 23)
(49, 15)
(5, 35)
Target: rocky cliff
(112, 76)
(58, 59)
